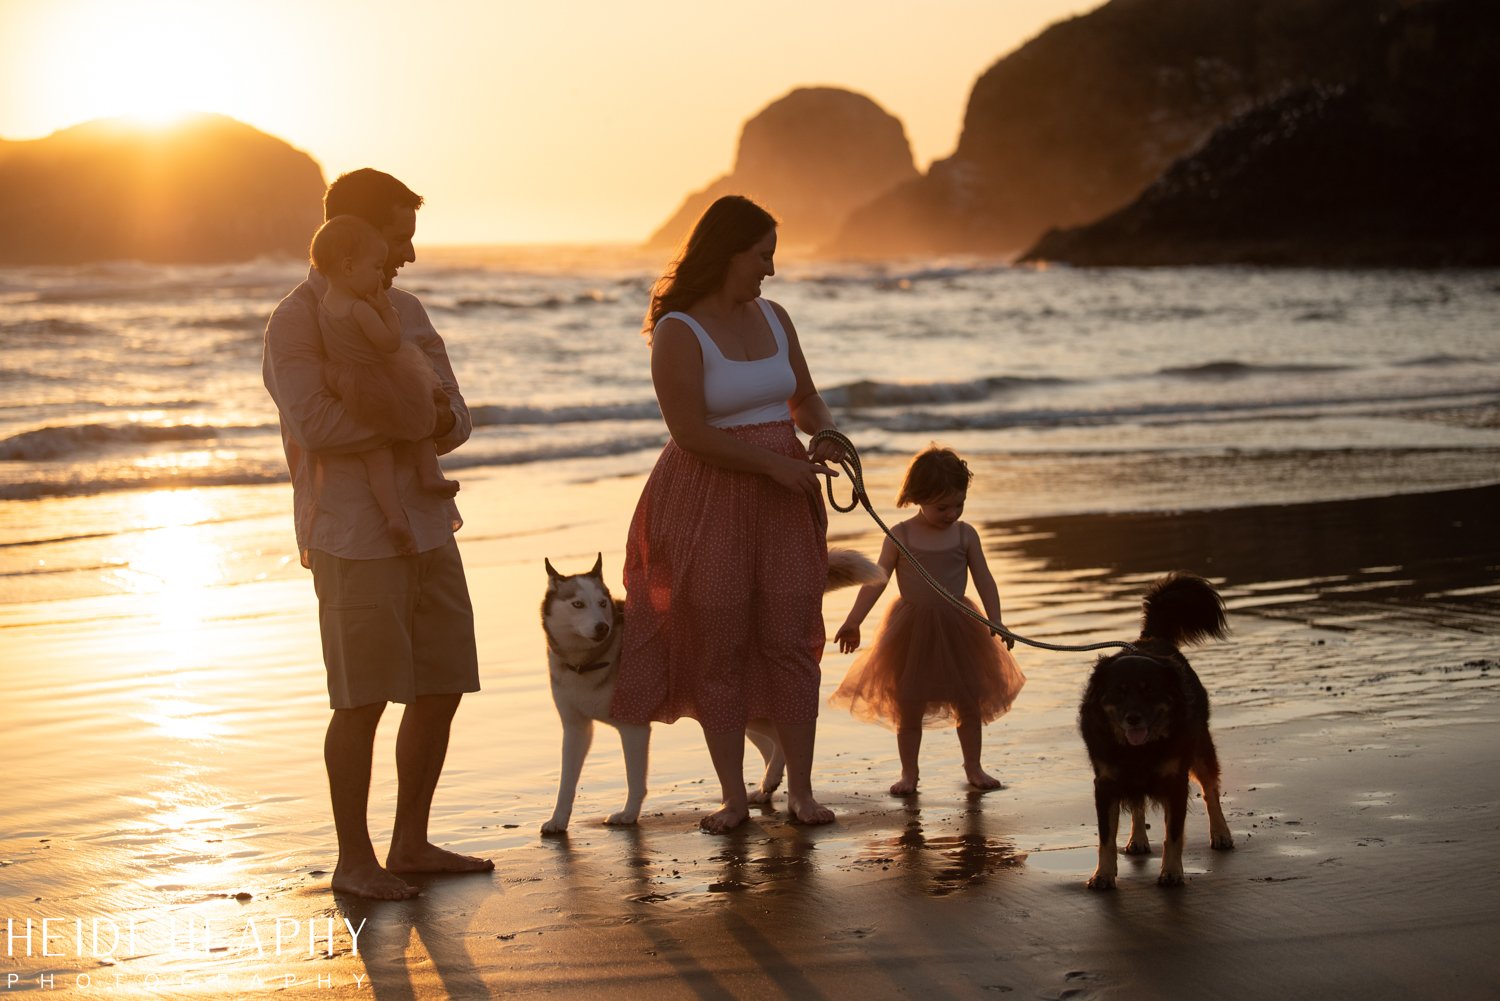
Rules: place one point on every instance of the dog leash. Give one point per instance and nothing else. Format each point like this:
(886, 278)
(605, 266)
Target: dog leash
(851, 466)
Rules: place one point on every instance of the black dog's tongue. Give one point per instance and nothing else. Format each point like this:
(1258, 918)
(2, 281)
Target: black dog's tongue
(1136, 735)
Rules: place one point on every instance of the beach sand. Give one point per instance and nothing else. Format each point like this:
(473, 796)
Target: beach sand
(172, 788)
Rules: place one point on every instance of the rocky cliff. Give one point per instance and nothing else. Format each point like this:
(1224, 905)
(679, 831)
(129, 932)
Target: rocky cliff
(1079, 120)
(208, 188)
(1396, 169)
(810, 158)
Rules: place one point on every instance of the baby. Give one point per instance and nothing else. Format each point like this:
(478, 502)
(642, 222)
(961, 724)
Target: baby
(385, 382)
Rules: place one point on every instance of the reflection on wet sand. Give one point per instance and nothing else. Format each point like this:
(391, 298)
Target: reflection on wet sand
(944, 863)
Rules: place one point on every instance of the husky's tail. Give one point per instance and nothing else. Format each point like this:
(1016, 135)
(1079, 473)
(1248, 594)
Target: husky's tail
(847, 568)
(1182, 609)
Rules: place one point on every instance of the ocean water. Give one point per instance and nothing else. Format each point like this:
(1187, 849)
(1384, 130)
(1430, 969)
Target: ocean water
(1074, 390)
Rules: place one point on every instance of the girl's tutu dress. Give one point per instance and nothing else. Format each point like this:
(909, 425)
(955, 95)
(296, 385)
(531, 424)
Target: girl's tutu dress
(930, 657)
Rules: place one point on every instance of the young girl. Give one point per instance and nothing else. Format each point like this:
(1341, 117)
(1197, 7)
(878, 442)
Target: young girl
(385, 382)
(931, 664)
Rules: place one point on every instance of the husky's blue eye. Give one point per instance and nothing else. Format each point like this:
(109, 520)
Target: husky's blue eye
(577, 604)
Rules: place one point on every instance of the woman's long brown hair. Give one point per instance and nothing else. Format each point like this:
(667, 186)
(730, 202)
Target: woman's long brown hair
(730, 225)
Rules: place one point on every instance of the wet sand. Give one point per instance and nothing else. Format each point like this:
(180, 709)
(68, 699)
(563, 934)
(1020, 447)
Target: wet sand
(171, 776)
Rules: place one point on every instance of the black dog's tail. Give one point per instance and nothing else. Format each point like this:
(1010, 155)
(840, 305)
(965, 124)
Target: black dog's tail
(1182, 609)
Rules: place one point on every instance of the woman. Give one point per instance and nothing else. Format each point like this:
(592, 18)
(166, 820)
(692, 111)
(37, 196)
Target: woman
(726, 561)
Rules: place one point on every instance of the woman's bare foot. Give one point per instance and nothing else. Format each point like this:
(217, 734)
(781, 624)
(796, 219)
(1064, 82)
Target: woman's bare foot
(905, 785)
(808, 811)
(431, 858)
(724, 819)
(373, 883)
(979, 778)
(400, 529)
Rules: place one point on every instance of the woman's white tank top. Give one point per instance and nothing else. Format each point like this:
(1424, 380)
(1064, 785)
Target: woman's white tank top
(745, 392)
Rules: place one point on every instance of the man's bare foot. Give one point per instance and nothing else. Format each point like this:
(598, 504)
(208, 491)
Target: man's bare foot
(905, 785)
(724, 819)
(808, 811)
(431, 858)
(979, 778)
(406, 543)
(373, 883)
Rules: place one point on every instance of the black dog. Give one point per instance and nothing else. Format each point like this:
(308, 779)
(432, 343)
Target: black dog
(1144, 719)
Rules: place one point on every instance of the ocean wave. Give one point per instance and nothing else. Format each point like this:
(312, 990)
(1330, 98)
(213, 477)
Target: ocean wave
(1160, 313)
(1157, 415)
(1240, 370)
(885, 279)
(27, 377)
(930, 422)
(592, 297)
(44, 571)
(71, 440)
(870, 393)
(1439, 361)
(1414, 405)
(171, 290)
(152, 480)
(466, 304)
(495, 415)
(470, 457)
(48, 330)
(68, 440)
(90, 481)
(224, 321)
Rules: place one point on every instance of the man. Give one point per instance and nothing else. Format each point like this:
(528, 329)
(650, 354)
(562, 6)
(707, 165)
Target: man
(395, 628)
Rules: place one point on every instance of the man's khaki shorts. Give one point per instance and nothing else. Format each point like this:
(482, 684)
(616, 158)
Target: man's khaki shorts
(397, 628)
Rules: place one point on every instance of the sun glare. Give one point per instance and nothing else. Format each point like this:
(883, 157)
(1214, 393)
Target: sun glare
(150, 62)
(175, 563)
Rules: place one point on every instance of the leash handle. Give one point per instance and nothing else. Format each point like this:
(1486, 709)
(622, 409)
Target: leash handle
(850, 463)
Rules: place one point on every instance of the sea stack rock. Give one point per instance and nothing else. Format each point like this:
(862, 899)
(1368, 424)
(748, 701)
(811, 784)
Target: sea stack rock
(1076, 122)
(1397, 170)
(207, 188)
(809, 158)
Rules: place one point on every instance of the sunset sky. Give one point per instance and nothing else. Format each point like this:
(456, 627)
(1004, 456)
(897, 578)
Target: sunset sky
(574, 121)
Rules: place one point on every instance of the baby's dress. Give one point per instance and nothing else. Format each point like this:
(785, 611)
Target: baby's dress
(929, 655)
(389, 392)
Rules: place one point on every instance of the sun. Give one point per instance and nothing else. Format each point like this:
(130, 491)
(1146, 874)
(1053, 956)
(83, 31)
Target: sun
(151, 61)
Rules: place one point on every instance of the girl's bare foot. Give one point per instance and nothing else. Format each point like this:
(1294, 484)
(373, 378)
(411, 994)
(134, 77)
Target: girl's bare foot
(759, 796)
(808, 811)
(979, 778)
(905, 785)
(724, 819)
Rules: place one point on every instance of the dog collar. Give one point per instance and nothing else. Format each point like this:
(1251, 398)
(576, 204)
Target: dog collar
(586, 668)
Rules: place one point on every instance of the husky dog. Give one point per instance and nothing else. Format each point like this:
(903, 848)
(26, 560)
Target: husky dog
(583, 623)
(1144, 719)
